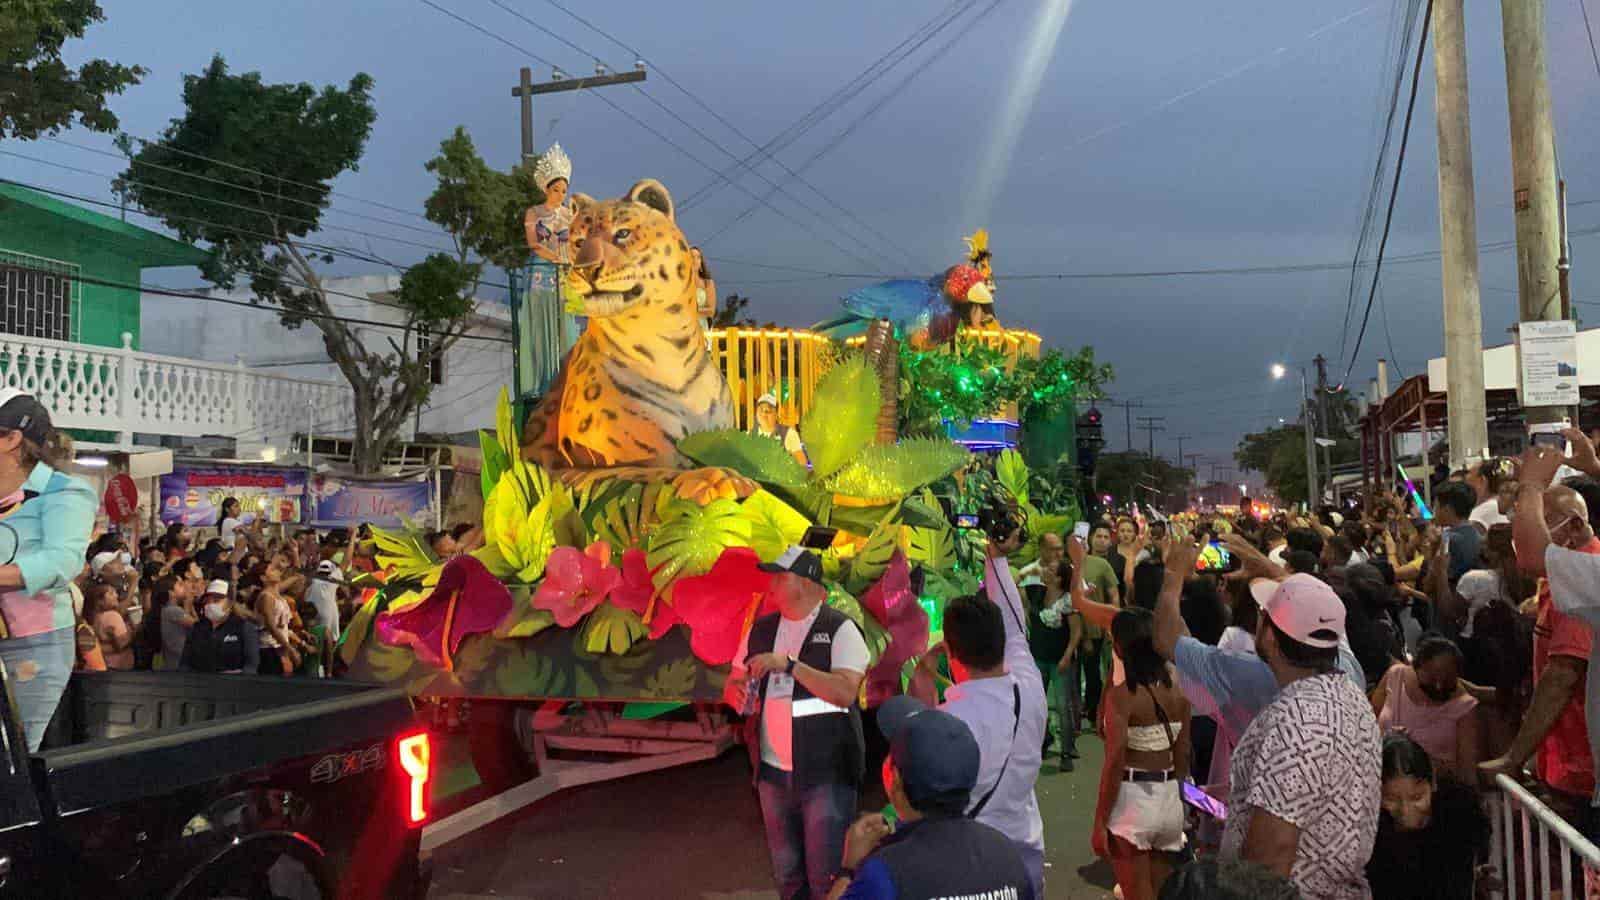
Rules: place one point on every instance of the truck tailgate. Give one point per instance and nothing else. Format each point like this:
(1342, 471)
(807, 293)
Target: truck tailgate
(232, 725)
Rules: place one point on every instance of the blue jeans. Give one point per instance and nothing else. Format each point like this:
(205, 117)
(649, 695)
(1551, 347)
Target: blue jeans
(37, 669)
(805, 831)
(1065, 686)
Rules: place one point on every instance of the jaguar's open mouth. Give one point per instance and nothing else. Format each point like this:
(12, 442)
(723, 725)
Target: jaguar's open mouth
(600, 304)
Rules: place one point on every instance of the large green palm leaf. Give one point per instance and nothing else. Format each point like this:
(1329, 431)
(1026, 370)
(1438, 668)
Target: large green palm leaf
(844, 418)
(892, 472)
(751, 455)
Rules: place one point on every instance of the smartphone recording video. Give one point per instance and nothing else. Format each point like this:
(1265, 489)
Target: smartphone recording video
(1215, 557)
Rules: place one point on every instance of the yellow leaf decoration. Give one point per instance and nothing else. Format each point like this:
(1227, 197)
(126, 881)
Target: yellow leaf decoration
(774, 524)
(612, 630)
(505, 428)
(406, 554)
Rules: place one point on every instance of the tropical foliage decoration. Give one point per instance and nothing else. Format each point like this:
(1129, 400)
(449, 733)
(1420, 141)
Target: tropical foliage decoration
(966, 381)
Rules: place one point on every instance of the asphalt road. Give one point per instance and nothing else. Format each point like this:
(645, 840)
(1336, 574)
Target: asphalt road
(693, 832)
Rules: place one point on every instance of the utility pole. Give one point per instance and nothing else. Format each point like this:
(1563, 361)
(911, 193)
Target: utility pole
(1194, 463)
(526, 89)
(1458, 239)
(1322, 429)
(1127, 415)
(1180, 439)
(1533, 174)
(1148, 425)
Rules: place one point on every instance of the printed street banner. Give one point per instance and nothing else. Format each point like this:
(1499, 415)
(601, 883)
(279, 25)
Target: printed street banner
(194, 496)
(340, 503)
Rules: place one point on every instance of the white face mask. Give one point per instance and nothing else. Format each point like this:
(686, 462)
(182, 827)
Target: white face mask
(126, 557)
(216, 612)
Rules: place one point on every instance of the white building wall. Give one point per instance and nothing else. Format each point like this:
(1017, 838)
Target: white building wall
(474, 370)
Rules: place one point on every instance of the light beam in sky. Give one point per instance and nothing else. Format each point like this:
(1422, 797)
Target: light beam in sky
(1026, 79)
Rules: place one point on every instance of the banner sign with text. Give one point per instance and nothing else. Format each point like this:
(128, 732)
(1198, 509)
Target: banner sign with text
(338, 503)
(194, 496)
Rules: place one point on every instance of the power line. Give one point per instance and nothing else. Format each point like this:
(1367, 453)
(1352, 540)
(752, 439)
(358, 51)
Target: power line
(721, 119)
(159, 291)
(135, 161)
(1588, 30)
(706, 137)
(315, 225)
(646, 126)
(849, 90)
(1394, 190)
(304, 245)
(1375, 187)
(870, 111)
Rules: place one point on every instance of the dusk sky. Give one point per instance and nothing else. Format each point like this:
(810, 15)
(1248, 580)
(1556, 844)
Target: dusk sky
(1162, 136)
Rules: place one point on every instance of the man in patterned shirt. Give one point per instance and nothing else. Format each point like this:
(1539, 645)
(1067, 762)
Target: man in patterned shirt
(1307, 774)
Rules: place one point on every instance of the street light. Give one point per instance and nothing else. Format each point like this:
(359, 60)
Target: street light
(1278, 371)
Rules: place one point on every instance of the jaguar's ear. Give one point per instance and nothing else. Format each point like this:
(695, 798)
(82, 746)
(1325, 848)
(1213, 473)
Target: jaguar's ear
(581, 202)
(653, 194)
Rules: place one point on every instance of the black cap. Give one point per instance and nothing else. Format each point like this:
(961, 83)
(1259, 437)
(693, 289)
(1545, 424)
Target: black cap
(800, 562)
(934, 752)
(20, 412)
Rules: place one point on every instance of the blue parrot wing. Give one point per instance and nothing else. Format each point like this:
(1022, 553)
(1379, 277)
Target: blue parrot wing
(899, 301)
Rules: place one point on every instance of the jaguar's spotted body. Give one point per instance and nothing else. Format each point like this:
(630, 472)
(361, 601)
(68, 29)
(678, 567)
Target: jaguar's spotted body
(640, 377)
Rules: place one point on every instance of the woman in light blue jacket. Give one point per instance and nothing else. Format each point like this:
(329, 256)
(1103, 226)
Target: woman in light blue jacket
(46, 517)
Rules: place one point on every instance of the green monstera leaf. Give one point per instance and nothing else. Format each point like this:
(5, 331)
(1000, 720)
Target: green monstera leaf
(774, 524)
(1012, 473)
(934, 548)
(612, 630)
(675, 680)
(898, 470)
(691, 537)
(526, 525)
(844, 419)
(751, 455)
(521, 673)
(872, 559)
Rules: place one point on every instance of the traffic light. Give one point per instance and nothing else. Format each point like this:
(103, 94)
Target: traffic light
(1091, 437)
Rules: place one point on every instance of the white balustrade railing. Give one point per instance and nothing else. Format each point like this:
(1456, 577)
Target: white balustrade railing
(129, 392)
(1536, 851)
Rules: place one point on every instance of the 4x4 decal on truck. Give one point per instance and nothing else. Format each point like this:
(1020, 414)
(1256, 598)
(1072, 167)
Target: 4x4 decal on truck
(343, 765)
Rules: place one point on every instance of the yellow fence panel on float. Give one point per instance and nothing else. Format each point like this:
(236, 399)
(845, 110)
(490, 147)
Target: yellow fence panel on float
(790, 361)
(786, 361)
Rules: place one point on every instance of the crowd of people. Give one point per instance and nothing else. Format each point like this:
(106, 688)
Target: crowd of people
(1322, 720)
(241, 602)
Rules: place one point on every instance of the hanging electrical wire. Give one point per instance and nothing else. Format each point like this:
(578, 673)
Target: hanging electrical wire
(1394, 190)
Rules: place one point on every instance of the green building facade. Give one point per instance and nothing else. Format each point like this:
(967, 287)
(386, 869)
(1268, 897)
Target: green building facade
(70, 274)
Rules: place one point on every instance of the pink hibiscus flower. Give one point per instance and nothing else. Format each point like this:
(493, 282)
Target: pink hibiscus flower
(720, 605)
(576, 581)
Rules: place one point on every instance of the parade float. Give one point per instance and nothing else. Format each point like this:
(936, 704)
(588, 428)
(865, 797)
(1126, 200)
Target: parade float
(626, 515)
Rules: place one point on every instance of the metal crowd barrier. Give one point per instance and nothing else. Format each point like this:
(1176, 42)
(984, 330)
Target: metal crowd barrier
(1514, 810)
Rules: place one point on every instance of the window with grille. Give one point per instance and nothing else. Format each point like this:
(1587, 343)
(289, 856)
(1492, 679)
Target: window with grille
(425, 350)
(38, 297)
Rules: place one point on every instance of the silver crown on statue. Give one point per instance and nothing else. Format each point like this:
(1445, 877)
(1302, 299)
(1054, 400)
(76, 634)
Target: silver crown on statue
(552, 165)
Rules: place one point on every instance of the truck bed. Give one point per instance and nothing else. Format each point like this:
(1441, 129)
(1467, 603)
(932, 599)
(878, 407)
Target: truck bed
(177, 729)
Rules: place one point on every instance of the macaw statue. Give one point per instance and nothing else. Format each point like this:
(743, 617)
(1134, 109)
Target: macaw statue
(924, 312)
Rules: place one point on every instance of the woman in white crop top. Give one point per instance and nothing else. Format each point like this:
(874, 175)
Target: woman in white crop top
(1139, 817)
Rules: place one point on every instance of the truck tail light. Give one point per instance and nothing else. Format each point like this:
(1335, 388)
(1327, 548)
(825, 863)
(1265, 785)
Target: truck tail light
(416, 761)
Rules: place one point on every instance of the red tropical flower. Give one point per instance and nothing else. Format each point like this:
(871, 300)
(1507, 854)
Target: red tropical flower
(467, 600)
(720, 605)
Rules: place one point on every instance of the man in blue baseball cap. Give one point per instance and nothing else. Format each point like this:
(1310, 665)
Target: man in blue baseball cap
(937, 850)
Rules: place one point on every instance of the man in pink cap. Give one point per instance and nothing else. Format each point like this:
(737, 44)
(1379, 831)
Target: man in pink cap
(1307, 774)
